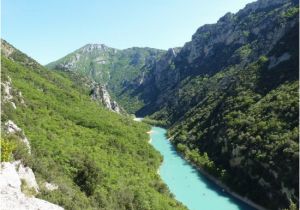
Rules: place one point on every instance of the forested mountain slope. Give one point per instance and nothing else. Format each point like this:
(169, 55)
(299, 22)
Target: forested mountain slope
(230, 99)
(248, 126)
(234, 108)
(98, 159)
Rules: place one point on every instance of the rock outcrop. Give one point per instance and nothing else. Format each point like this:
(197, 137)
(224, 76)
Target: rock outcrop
(99, 93)
(11, 128)
(10, 95)
(7, 92)
(11, 196)
(50, 186)
(164, 72)
(25, 173)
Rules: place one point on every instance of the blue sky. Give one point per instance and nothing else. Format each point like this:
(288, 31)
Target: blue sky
(49, 29)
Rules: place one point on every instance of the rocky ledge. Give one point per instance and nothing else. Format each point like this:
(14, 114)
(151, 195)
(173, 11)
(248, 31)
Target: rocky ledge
(11, 195)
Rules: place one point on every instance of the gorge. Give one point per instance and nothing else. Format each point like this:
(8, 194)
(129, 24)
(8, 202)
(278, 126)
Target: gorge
(228, 97)
(226, 102)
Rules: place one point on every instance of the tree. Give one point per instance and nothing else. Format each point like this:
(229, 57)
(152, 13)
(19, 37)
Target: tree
(88, 177)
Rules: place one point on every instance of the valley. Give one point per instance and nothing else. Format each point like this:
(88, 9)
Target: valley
(228, 97)
(223, 110)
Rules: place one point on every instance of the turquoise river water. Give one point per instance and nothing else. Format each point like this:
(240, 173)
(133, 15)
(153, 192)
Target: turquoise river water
(188, 185)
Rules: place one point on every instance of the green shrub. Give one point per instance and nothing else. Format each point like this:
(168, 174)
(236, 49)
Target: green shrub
(88, 176)
(6, 150)
(291, 12)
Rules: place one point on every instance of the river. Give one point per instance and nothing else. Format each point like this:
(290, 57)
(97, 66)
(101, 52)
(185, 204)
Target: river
(188, 185)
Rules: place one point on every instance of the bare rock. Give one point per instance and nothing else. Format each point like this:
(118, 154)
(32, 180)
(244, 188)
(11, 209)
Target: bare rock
(12, 128)
(26, 174)
(7, 90)
(50, 186)
(11, 196)
(99, 93)
(9, 178)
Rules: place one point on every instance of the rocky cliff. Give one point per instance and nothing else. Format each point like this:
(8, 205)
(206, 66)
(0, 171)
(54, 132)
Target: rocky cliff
(99, 93)
(236, 39)
(113, 68)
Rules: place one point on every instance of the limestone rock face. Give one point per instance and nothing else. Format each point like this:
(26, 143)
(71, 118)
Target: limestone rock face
(235, 40)
(100, 93)
(7, 89)
(12, 128)
(26, 174)
(11, 196)
(221, 41)
(115, 107)
(8, 92)
(164, 72)
(9, 177)
(10, 95)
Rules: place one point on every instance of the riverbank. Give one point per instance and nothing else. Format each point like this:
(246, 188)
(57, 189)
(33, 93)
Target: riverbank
(149, 133)
(138, 119)
(221, 184)
(226, 188)
(209, 176)
(184, 181)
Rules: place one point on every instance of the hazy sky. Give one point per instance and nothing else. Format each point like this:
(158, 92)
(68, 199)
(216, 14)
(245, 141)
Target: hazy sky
(49, 29)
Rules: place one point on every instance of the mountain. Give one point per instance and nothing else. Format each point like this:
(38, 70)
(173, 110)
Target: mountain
(236, 39)
(61, 146)
(231, 103)
(110, 67)
(230, 99)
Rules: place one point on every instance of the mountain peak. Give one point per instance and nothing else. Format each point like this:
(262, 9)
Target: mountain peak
(91, 47)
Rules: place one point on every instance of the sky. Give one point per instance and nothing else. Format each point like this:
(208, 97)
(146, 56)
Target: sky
(47, 30)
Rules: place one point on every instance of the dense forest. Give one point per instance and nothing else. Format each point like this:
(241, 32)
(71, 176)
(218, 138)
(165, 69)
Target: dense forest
(99, 159)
